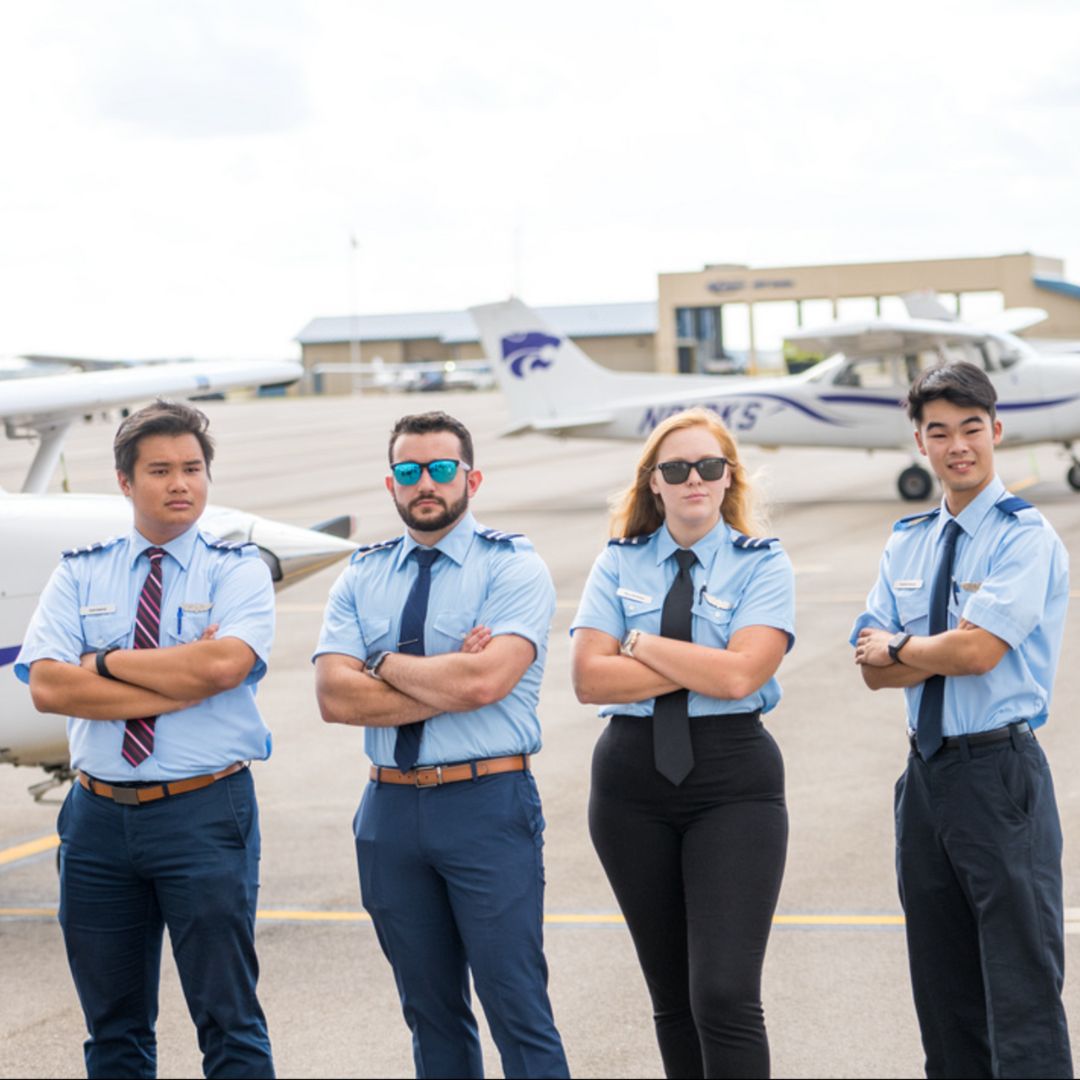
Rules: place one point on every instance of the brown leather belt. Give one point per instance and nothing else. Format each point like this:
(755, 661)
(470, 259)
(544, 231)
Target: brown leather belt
(134, 796)
(434, 775)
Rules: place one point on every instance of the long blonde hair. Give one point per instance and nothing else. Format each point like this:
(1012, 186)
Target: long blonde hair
(637, 511)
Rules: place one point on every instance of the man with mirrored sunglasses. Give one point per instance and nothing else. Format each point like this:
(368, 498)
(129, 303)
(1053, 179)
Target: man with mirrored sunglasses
(435, 643)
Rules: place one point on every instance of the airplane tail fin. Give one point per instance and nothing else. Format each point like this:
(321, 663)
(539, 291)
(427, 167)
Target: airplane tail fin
(548, 381)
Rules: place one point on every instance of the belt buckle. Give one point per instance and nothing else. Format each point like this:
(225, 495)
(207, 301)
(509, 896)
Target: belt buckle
(435, 771)
(125, 796)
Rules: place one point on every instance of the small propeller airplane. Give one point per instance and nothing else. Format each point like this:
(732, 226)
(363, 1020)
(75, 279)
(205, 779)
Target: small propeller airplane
(35, 526)
(850, 400)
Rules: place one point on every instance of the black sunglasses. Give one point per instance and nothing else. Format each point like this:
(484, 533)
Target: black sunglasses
(678, 472)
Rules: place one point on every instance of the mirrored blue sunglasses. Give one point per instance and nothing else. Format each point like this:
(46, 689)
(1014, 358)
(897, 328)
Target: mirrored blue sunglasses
(442, 471)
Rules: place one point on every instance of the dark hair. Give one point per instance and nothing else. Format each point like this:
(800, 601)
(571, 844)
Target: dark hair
(161, 418)
(959, 383)
(428, 422)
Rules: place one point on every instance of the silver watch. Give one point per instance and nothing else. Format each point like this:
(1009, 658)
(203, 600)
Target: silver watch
(376, 662)
(628, 643)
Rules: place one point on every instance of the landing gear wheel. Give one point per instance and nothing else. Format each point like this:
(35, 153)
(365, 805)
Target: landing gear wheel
(1073, 476)
(916, 484)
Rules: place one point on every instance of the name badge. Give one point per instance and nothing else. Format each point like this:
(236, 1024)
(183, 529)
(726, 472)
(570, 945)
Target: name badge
(97, 609)
(971, 586)
(194, 609)
(723, 605)
(629, 594)
(913, 583)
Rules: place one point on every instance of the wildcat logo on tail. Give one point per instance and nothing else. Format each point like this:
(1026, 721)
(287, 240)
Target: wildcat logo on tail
(528, 352)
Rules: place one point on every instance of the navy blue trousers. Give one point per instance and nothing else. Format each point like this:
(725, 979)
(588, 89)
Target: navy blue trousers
(978, 856)
(189, 862)
(453, 879)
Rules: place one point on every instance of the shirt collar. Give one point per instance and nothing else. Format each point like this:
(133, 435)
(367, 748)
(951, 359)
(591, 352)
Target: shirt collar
(454, 545)
(971, 517)
(704, 549)
(180, 548)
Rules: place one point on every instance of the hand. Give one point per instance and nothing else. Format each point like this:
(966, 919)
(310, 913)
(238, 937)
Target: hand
(209, 632)
(88, 662)
(872, 648)
(476, 640)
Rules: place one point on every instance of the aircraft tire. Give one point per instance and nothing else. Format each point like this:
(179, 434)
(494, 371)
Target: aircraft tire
(915, 484)
(1073, 476)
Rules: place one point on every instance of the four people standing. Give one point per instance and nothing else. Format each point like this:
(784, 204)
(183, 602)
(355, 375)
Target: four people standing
(435, 642)
(683, 624)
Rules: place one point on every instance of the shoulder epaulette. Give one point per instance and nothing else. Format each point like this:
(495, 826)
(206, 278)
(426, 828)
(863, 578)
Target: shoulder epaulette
(916, 519)
(367, 549)
(1013, 504)
(751, 543)
(498, 537)
(629, 541)
(101, 546)
(225, 545)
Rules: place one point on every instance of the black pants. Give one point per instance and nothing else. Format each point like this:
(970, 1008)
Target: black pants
(696, 870)
(978, 858)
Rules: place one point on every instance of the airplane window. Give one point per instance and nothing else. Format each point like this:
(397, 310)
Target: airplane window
(875, 373)
(1009, 358)
(848, 375)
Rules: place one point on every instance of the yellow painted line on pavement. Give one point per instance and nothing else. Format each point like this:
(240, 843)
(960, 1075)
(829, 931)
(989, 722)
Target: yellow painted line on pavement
(31, 847)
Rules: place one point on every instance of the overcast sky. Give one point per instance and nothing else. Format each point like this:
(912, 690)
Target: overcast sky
(183, 177)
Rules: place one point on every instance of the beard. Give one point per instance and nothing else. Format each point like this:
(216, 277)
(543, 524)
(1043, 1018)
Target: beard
(450, 513)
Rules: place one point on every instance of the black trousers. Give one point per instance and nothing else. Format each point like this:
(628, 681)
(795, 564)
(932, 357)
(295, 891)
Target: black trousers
(978, 858)
(696, 870)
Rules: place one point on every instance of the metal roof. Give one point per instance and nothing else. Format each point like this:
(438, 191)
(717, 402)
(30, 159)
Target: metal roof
(456, 327)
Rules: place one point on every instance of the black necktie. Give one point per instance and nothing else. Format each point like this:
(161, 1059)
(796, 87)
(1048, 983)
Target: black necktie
(928, 729)
(672, 751)
(411, 641)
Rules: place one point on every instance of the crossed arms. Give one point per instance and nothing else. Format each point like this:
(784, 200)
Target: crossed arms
(147, 682)
(411, 688)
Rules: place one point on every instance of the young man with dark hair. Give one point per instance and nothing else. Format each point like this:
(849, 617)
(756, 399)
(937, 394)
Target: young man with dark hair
(435, 642)
(152, 643)
(967, 617)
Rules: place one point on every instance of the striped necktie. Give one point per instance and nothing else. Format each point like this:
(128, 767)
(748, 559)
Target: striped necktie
(139, 734)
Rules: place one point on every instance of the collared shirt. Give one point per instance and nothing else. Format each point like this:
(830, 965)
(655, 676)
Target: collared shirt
(1010, 577)
(738, 582)
(90, 603)
(483, 578)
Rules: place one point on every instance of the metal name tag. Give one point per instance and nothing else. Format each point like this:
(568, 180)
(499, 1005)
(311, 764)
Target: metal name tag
(629, 594)
(914, 583)
(194, 609)
(98, 609)
(971, 586)
(723, 605)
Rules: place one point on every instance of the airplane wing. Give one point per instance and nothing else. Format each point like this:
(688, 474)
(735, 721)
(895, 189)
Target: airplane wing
(874, 336)
(47, 406)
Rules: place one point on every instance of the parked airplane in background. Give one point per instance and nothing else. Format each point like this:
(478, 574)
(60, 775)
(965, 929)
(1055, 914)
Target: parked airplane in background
(36, 527)
(849, 400)
(378, 374)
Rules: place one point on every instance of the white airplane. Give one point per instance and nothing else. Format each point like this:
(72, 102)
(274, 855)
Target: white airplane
(35, 527)
(409, 375)
(851, 399)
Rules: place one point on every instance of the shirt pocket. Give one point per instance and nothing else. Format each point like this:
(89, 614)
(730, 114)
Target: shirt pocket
(913, 607)
(712, 622)
(376, 633)
(642, 614)
(182, 627)
(101, 631)
(447, 631)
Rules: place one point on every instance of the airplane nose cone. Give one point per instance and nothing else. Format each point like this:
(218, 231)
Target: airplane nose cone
(291, 551)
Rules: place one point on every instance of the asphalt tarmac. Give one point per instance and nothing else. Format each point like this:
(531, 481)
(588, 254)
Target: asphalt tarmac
(836, 992)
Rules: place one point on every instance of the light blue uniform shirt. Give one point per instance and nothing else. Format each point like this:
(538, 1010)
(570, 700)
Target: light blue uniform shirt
(1010, 577)
(483, 578)
(90, 602)
(739, 581)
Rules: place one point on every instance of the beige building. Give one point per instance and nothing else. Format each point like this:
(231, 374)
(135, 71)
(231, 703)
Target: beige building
(715, 319)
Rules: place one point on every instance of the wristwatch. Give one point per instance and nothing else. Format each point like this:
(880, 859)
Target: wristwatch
(896, 643)
(99, 660)
(628, 643)
(376, 662)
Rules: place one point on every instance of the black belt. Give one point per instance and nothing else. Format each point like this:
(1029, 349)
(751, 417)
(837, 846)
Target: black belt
(981, 738)
(755, 715)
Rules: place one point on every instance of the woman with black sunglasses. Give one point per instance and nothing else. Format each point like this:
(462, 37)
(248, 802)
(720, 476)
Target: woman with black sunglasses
(681, 629)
